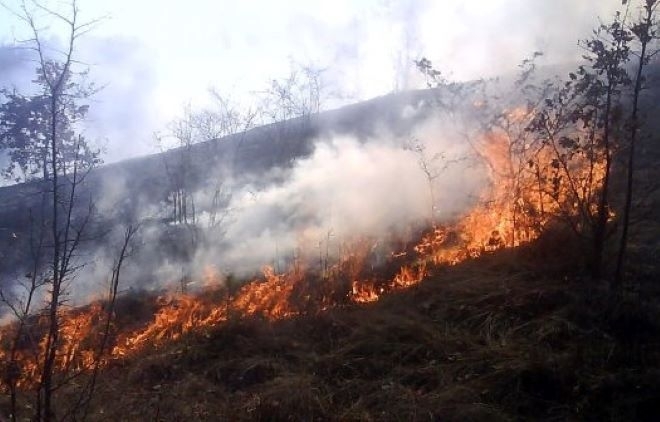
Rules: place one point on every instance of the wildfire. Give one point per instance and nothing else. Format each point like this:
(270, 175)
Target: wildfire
(525, 193)
(177, 316)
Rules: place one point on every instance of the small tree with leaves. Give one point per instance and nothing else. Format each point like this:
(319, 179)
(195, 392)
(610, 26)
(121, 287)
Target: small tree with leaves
(40, 133)
(25, 126)
(581, 124)
(645, 35)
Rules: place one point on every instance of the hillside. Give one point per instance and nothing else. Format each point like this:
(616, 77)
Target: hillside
(259, 157)
(470, 305)
(503, 337)
(254, 152)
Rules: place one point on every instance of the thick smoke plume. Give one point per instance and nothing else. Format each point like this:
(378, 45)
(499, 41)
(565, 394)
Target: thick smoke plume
(349, 188)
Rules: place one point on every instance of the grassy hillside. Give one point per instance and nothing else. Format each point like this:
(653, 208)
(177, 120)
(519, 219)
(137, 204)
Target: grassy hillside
(516, 334)
(497, 338)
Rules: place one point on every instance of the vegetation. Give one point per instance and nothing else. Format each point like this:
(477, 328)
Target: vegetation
(502, 337)
(508, 311)
(39, 133)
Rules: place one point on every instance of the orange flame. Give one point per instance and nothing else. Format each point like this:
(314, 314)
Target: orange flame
(522, 198)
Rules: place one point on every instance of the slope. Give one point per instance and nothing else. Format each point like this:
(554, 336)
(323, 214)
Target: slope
(503, 337)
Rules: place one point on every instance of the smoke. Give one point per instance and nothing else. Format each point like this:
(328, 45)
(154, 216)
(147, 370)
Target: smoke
(470, 40)
(367, 47)
(12, 62)
(122, 115)
(348, 189)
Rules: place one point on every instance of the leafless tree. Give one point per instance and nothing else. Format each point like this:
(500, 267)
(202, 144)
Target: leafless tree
(432, 165)
(179, 165)
(301, 94)
(126, 249)
(291, 104)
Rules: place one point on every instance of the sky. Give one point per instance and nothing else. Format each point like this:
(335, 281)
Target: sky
(154, 56)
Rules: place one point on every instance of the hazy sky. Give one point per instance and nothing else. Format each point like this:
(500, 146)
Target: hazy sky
(156, 55)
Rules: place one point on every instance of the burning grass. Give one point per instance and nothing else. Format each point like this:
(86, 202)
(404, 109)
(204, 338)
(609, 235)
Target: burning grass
(496, 337)
(413, 355)
(483, 340)
(145, 325)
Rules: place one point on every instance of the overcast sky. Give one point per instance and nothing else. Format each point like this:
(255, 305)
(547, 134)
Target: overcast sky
(156, 55)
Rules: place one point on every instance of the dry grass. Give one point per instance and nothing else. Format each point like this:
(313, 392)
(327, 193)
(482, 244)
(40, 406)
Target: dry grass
(486, 340)
(512, 335)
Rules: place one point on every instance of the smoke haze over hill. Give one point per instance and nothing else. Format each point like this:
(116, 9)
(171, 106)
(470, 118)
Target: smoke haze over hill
(158, 57)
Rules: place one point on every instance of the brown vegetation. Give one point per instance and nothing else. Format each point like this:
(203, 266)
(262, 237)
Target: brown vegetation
(483, 340)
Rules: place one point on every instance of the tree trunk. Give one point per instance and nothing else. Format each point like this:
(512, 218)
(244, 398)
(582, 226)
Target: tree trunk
(620, 262)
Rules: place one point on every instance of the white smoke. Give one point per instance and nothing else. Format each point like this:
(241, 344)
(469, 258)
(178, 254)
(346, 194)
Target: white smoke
(348, 188)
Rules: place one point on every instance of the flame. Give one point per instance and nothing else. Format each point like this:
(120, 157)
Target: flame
(524, 195)
(177, 316)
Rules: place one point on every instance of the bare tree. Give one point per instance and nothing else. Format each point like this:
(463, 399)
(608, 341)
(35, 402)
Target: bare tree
(290, 104)
(432, 165)
(126, 249)
(188, 169)
(300, 94)
(22, 307)
(179, 166)
(225, 119)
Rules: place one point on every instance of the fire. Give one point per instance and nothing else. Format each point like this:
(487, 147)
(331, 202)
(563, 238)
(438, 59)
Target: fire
(177, 316)
(79, 328)
(526, 192)
(269, 298)
(370, 291)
